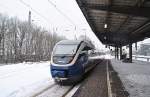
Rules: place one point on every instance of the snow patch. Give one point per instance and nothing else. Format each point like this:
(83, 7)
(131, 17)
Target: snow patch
(135, 77)
(140, 79)
(107, 56)
(24, 79)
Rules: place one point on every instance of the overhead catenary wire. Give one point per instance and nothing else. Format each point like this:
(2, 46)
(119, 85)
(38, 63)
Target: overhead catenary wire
(64, 15)
(27, 5)
(51, 3)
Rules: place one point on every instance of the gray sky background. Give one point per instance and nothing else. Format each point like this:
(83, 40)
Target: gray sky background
(68, 24)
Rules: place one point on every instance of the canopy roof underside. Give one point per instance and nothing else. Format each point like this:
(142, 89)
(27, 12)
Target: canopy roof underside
(118, 22)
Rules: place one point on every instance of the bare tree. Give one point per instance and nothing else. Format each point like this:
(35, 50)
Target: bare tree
(24, 42)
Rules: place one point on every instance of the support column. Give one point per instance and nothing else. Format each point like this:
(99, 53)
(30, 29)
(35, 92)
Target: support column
(117, 53)
(130, 52)
(136, 46)
(120, 52)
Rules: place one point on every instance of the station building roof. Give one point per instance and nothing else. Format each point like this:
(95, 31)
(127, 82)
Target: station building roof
(118, 22)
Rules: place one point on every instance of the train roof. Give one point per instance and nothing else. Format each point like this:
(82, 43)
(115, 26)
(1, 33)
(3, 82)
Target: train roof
(88, 43)
(69, 42)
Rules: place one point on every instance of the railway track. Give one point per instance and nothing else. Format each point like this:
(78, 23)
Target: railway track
(45, 89)
(57, 90)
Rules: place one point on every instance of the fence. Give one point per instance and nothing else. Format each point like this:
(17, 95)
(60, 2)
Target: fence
(142, 58)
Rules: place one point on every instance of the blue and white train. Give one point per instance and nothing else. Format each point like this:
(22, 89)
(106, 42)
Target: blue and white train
(69, 60)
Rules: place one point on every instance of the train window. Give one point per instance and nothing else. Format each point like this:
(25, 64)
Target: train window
(67, 49)
(86, 48)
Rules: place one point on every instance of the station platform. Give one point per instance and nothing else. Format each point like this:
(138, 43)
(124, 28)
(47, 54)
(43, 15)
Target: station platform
(126, 80)
(96, 84)
(135, 76)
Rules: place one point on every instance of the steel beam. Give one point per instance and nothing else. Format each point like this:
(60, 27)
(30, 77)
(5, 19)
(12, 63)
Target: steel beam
(129, 10)
(142, 27)
(138, 3)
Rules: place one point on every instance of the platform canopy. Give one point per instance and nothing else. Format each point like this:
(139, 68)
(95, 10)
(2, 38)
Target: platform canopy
(118, 22)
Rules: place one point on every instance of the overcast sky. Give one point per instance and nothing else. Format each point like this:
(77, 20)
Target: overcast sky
(63, 15)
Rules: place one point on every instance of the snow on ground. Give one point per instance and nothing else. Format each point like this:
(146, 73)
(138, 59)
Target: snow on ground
(24, 79)
(106, 56)
(141, 58)
(135, 77)
(56, 91)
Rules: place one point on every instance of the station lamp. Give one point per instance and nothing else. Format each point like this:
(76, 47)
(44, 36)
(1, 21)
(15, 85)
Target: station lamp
(105, 26)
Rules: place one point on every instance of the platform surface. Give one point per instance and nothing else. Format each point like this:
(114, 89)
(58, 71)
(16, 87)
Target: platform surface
(96, 84)
(135, 77)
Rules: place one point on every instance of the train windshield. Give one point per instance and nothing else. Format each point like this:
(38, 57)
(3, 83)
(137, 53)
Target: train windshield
(63, 53)
(65, 49)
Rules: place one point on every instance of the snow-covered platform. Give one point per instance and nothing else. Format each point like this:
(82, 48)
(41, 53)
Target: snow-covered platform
(135, 77)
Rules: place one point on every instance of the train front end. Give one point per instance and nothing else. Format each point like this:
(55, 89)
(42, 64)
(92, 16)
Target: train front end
(65, 65)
